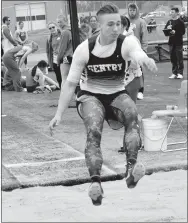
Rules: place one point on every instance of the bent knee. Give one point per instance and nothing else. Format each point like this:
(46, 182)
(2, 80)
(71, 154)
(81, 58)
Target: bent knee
(94, 133)
(130, 114)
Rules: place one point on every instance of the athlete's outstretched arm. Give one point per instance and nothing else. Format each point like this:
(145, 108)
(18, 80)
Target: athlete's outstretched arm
(68, 88)
(131, 50)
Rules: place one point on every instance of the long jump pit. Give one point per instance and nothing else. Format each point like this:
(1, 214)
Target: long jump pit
(32, 158)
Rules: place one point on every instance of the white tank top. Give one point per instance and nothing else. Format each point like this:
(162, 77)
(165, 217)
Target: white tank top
(6, 44)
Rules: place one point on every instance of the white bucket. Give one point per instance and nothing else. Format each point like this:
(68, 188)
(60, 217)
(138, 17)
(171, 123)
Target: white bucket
(154, 131)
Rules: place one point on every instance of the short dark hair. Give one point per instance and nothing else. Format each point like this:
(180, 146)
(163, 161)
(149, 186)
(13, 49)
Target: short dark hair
(5, 18)
(125, 22)
(41, 64)
(175, 9)
(20, 22)
(108, 9)
(132, 5)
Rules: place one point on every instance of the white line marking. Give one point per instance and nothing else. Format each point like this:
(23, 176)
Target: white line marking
(14, 165)
(45, 162)
(3, 115)
(55, 161)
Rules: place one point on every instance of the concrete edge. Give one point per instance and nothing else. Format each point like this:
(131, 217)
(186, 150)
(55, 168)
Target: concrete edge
(14, 181)
(113, 177)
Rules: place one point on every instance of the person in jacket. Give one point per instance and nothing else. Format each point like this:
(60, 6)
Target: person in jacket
(52, 50)
(175, 43)
(7, 40)
(139, 27)
(64, 57)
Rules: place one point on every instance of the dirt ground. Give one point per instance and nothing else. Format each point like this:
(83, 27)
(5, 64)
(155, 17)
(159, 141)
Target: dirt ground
(160, 197)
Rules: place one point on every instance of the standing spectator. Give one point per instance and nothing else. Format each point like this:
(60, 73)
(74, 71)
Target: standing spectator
(139, 27)
(85, 32)
(7, 40)
(175, 43)
(21, 36)
(93, 23)
(52, 50)
(64, 57)
(133, 73)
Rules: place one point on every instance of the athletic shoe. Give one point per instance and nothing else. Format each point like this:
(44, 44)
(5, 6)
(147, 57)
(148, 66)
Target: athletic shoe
(96, 193)
(173, 76)
(179, 76)
(134, 173)
(140, 96)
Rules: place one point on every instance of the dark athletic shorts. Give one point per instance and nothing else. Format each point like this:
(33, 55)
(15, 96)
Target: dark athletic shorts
(106, 101)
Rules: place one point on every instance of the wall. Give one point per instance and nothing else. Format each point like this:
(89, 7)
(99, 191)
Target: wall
(53, 8)
(9, 10)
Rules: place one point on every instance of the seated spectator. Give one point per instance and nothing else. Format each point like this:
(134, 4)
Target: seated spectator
(37, 81)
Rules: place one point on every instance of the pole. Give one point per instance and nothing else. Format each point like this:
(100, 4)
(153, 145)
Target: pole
(74, 23)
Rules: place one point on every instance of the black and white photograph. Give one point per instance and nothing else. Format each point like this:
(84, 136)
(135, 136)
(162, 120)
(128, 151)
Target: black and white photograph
(94, 111)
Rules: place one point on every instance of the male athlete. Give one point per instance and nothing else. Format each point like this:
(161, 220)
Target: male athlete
(99, 63)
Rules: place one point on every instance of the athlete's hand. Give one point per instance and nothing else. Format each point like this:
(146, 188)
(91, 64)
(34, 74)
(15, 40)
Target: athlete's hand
(54, 122)
(150, 64)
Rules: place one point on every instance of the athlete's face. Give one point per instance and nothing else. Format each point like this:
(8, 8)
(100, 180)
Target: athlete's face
(110, 25)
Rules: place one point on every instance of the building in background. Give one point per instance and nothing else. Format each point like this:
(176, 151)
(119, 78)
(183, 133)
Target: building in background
(35, 15)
